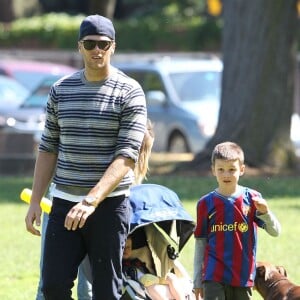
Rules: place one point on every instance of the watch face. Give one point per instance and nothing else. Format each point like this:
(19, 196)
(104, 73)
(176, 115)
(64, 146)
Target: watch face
(90, 199)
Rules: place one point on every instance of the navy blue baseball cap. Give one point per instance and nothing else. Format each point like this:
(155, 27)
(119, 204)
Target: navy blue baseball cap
(96, 25)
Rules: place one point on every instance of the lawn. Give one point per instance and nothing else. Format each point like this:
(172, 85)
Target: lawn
(19, 254)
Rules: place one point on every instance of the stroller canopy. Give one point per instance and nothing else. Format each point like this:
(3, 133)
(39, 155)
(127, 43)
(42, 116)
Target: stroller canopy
(156, 204)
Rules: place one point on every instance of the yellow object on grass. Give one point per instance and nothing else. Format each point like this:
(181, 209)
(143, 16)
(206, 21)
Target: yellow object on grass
(45, 204)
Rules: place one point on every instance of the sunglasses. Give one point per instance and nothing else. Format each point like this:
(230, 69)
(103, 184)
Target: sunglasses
(91, 44)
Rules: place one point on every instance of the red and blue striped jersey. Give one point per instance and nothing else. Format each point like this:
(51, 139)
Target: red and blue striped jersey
(229, 224)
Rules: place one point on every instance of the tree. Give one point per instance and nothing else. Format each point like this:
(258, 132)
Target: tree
(103, 7)
(259, 55)
(7, 12)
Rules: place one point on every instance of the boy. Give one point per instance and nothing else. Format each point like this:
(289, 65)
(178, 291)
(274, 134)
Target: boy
(226, 230)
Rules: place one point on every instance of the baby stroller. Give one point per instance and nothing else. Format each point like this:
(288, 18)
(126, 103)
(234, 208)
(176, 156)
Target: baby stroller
(160, 228)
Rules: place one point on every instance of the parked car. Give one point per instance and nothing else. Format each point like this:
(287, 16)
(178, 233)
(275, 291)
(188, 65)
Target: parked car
(31, 73)
(183, 99)
(12, 93)
(29, 116)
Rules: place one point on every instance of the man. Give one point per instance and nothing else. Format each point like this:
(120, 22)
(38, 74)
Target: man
(94, 129)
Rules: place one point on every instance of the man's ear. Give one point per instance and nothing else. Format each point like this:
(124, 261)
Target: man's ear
(113, 48)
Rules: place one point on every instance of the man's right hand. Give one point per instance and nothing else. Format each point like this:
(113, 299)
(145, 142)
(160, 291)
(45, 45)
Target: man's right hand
(78, 215)
(33, 217)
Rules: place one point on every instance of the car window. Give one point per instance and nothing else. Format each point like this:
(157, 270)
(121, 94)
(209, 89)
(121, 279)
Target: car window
(195, 86)
(30, 79)
(38, 98)
(12, 93)
(138, 76)
(150, 81)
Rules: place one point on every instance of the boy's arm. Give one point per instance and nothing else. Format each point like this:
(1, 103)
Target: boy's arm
(200, 245)
(272, 225)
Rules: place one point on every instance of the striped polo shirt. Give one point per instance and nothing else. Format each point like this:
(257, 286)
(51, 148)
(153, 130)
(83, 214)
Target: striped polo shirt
(88, 124)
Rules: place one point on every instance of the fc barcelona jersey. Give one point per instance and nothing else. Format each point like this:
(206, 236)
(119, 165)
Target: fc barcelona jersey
(229, 224)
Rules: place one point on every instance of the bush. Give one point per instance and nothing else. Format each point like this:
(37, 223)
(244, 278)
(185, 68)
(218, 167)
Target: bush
(152, 33)
(47, 31)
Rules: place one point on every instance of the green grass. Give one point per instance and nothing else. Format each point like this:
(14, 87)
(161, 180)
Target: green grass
(19, 251)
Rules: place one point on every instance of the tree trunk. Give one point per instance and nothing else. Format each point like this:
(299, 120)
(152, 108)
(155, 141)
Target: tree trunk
(104, 7)
(259, 55)
(7, 14)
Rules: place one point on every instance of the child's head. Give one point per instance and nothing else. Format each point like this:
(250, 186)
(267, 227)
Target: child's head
(227, 166)
(128, 248)
(227, 151)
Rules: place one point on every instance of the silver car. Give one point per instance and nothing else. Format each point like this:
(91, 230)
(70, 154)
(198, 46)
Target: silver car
(29, 116)
(12, 93)
(183, 99)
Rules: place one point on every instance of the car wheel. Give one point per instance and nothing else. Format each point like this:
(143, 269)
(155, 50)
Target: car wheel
(178, 144)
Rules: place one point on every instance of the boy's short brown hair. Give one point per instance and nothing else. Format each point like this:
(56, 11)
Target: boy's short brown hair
(228, 151)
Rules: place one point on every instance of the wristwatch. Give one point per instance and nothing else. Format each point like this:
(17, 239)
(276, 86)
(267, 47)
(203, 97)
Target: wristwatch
(91, 201)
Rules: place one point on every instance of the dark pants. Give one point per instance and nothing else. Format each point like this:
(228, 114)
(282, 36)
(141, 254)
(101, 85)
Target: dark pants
(218, 291)
(103, 238)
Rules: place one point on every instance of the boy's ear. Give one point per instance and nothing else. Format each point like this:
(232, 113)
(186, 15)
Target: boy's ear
(213, 170)
(242, 171)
